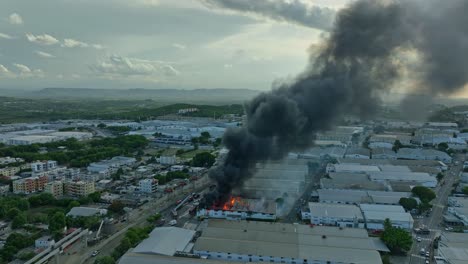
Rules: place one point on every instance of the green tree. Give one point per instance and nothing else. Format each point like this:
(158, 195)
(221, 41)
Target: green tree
(117, 207)
(204, 159)
(424, 193)
(443, 147)
(440, 176)
(72, 204)
(465, 190)
(12, 213)
(408, 203)
(205, 134)
(57, 222)
(397, 240)
(102, 125)
(104, 260)
(386, 259)
(23, 205)
(19, 221)
(95, 197)
(397, 145)
(424, 206)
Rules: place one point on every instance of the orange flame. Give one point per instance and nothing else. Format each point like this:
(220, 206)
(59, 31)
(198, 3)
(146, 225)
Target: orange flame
(234, 202)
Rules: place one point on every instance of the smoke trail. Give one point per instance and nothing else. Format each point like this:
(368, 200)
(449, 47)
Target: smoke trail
(294, 11)
(358, 63)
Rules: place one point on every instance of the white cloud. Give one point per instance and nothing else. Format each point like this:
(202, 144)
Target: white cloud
(15, 19)
(179, 46)
(73, 43)
(22, 68)
(119, 66)
(25, 71)
(44, 54)
(5, 36)
(4, 70)
(44, 39)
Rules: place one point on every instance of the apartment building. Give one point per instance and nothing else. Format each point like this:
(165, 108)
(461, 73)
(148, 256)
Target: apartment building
(29, 185)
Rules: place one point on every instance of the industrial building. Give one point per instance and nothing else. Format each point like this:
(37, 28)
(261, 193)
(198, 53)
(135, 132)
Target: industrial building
(350, 167)
(360, 196)
(383, 153)
(354, 181)
(457, 211)
(376, 214)
(357, 153)
(86, 211)
(108, 167)
(423, 154)
(342, 215)
(238, 208)
(285, 243)
(453, 248)
(414, 178)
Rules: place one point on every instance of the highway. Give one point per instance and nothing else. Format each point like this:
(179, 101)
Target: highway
(434, 221)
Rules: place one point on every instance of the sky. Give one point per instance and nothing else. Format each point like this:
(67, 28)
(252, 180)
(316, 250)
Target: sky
(185, 44)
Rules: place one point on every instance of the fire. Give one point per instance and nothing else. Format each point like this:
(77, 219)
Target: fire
(234, 202)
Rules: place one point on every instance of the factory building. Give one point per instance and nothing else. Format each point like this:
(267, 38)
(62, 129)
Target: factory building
(237, 208)
(376, 214)
(342, 215)
(285, 243)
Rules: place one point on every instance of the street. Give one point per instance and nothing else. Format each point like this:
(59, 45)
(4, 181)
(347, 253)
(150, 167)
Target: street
(434, 221)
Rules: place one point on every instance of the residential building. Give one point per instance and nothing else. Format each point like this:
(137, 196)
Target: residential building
(342, 215)
(44, 242)
(55, 188)
(148, 185)
(45, 165)
(168, 160)
(29, 185)
(376, 214)
(9, 171)
(79, 188)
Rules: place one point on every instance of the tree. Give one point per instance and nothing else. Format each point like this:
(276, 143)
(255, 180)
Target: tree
(12, 213)
(204, 159)
(104, 260)
(19, 221)
(95, 197)
(465, 190)
(379, 129)
(117, 207)
(73, 204)
(424, 206)
(397, 240)
(397, 145)
(424, 193)
(23, 205)
(205, 134)
(102, 125)
(440, 176)
(57, 222)
(408, 203)
(386, 259)
(217, 142)
(443, 146)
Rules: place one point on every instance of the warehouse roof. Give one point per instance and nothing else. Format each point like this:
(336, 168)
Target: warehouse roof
(354, 167)
(401, 176)
(165, 241)
(289, 240)
(335, 210)
(454, 247)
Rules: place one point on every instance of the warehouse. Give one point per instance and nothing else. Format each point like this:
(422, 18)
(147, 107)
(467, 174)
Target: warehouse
(342, 215)
(453, 248)
(376, 214)
(416, 178)
(355, 181)
(360, 196)
(237, 208)
(285, 243)
(350, 167)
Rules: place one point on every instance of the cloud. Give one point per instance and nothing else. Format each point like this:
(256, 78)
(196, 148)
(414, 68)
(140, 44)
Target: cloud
(5, 36)
(43, 39)
(179, 46)
(293, 11)
(44, 54)
(119, 66)
(73, 43)
(4, 71)
(15, 19)
(25, 71)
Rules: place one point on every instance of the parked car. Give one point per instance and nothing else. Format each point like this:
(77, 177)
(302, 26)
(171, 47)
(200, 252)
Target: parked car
(95, 253)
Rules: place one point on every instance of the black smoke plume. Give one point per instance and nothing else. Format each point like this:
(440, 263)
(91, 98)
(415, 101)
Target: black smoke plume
(359, 61)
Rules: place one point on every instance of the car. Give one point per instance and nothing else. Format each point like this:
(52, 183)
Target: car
(427, 254)
(418, 239)
(427, 261)
(95, 253)
(173, 222)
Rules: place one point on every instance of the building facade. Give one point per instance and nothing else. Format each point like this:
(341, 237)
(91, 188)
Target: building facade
(79, 188)
(29, 185)
(148, 185)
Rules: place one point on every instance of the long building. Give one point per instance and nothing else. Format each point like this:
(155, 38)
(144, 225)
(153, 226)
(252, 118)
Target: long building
(343, 215)
(285, 243)
(376, 214)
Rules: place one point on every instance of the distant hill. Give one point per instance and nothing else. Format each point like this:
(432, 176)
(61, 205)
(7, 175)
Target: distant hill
(211, 96)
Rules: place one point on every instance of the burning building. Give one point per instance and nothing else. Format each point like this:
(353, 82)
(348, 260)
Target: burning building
(238, 208)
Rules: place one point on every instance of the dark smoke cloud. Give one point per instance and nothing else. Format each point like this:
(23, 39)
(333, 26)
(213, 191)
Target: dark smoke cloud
(294, 11)
(357, 64)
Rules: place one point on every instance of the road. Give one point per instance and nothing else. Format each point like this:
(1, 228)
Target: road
(434, 221)
(135, 218)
